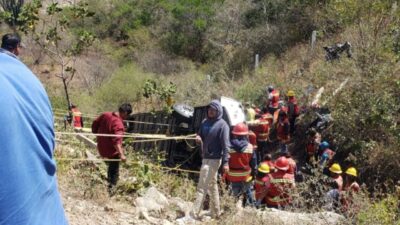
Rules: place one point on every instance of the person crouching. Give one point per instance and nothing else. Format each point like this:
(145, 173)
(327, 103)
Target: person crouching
(242, 163)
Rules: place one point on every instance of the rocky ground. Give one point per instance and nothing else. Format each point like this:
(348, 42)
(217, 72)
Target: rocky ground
(155, 208)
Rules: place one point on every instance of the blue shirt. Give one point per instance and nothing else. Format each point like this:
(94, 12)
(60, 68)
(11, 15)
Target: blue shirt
(28, 185)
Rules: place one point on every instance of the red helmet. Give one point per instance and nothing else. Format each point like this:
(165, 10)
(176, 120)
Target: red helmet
(282, 163)
(240, 129)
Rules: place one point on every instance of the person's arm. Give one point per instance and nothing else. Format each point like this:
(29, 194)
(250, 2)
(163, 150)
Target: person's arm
(118, 129)
(225, 146)
(121, 151)
(253, 163)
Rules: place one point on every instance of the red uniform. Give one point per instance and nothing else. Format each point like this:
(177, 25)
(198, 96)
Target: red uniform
(261, 129)
(261, 186)
(77, 118)
(282, 129)
(274, 100)
(108, 123)
(282, 184)
(239, 165)
(292, 166)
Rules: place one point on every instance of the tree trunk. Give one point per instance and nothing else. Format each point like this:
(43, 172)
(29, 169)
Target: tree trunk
(66, 92)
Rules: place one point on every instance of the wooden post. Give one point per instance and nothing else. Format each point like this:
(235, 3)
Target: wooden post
(313, 39)
(256, 62)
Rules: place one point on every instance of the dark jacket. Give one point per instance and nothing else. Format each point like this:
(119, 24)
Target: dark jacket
(215, 135)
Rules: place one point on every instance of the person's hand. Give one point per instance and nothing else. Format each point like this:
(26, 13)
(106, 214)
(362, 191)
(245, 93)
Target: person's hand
(226, 169)
(123, 157)
(198, 139)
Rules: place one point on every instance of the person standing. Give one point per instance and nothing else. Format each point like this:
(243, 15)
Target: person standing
(28, 188)
(77, 118)
(110, 147)
(283, 130)
(242, 164)
(293, 110)
(214, 139)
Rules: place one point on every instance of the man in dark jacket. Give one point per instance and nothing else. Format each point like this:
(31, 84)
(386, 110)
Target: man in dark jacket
(214, 138)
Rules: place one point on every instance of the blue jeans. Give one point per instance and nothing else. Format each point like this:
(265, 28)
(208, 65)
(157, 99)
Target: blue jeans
(283, 147)
(243, 188)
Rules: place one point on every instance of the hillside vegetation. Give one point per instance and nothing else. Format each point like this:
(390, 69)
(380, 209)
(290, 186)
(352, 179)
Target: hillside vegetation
(206, 48)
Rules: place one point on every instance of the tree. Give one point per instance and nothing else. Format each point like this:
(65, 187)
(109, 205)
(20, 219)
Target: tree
(12, 9)
(54, 34)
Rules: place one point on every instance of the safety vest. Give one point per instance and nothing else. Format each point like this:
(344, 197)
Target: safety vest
(282, 184)
(261, 128)
(239, 165)
(261, 186)
(76, 118)
(282, 129)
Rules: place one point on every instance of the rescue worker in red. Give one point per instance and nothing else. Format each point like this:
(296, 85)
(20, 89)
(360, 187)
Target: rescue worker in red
(261, 128)
(350, 188)
(282, 185)
(293, 110)
(312, 145)
(77, 119)
(283, 129)
(273, 99)
(262, 183)
(335, 173)
(242, 164)
(292, 164)
(110, 147)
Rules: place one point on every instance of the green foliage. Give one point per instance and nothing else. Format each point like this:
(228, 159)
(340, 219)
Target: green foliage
(124, 86)
(11, 12)
(385, 212)
(160, 93)
(186, 35)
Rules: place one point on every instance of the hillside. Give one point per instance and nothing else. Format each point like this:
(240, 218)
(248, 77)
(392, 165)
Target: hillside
(192, 51)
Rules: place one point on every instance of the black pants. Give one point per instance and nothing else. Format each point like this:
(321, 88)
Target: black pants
(112, 173)
(292, 122)
(262, 150)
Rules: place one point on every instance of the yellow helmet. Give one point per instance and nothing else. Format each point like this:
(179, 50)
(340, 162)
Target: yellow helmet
(264, 168)
(335, 168)
(290, 93)
(351, 171)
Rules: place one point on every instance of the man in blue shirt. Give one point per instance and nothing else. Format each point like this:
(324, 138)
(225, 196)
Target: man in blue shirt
(28, 186)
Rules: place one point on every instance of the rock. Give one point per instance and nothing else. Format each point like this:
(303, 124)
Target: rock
(182, 207)
(275, 216)
(153, 202)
